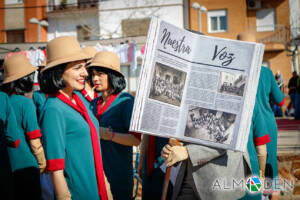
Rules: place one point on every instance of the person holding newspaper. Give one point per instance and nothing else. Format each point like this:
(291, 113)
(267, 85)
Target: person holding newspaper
(203, 169)
(113, 109)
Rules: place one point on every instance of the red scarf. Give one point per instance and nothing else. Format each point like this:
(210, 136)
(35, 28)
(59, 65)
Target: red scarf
(100, 109)
(80, 107)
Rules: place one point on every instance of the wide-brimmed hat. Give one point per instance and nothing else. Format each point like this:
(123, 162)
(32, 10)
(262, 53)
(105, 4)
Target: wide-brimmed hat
(62, 50)
(108, 60)
(17, 66)
(91, 52)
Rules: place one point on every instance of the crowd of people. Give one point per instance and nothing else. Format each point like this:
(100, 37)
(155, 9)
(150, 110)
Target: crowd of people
(71, 139)
(215, 123)
(167, 88)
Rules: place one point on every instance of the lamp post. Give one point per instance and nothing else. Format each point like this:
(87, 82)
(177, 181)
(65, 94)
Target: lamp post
(39, 23)
(200, 9)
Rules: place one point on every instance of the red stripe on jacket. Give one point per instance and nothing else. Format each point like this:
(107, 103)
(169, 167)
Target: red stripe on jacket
(281, 103)
(262, 140)
(55, 164)
(34, 134)
(14, 144)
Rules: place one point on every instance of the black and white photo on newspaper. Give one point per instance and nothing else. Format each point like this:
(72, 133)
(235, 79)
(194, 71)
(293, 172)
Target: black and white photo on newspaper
(196, 88)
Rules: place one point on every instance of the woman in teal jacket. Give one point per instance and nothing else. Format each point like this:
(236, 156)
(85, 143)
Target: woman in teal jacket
(268, 90)
(29, 159)
(70, 130)
(113, 110)
(10, 134)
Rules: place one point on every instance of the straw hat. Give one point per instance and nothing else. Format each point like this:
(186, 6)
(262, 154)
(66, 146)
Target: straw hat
(249, 37)
(91, 52)
(108, 60)
(17, 66)
(62, 50)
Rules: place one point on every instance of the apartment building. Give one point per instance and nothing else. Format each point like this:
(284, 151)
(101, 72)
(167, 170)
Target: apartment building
(269, 20)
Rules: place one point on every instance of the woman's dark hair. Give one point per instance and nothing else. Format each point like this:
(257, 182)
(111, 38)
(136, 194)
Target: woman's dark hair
(90, 76)
(20, 86)
(51, 80)
(116, 80)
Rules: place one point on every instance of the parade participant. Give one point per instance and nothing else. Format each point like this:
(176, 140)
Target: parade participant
(257, 150)
(89, 91)
(39, 99)
(292, 85)
(70, 130)
(27, 168)
(267, 91)
(201, 167)
(149, 167)
(10, 134)
(113, 110)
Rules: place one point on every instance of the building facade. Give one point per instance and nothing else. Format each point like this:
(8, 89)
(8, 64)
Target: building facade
(97, 20)
(111, 22)
(15, 25)
(268, 20)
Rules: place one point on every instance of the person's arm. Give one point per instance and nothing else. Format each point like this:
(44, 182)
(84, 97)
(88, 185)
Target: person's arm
(127, 139)
(13, 129)
(33, 133)
(38, 151)
(53, 127)
(60, 185)
(108, 189)
(261, 151)
(121, 138)
(261, 138)
(198, 154)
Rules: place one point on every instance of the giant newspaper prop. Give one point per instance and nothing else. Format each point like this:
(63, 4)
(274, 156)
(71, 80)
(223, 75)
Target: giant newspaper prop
(196, 88)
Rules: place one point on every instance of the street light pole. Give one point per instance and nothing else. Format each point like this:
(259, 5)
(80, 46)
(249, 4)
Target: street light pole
(39, 32)
(200, 9)
(39, 23)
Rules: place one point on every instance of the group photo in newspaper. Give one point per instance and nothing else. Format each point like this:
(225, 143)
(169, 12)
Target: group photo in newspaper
(197, 88)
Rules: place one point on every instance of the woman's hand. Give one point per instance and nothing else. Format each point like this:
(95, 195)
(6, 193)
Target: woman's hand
(174, 154)
(38, 151)
(105, 133)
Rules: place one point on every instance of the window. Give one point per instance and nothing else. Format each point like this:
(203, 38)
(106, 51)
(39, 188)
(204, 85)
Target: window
(13, 1)
(265, 20)
(217, 21)
(83, 33)
(15, 36)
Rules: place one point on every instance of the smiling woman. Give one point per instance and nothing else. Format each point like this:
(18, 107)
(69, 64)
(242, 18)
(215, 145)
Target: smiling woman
(70, 130)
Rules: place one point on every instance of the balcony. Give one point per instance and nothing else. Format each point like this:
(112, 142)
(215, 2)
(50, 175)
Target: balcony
(71, 6)
(276, 40)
